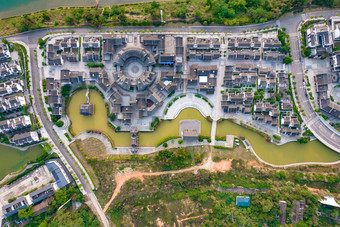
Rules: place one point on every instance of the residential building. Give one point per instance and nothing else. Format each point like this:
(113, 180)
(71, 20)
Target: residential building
(11, 104)
(318, 36)
(66, 49)
(271, 44)
(9, 69)
(111, 42)
(5, 55)
(14, 124)
(25, 138)
(203, 48)
(71, 77)
(54, 97)
(335, 28)
(335, 61)
(11, 87)
(298, 211)
(91, 49)
(41, 193)
(202, 78)
(267, 113)
(237, 102)
(326, 105)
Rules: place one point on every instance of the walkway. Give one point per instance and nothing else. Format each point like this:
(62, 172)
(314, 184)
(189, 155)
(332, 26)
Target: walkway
(189, 101)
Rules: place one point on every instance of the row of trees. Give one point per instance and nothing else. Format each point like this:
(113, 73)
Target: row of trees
(228, 12)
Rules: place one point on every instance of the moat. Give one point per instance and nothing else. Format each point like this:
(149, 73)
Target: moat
(292, 152)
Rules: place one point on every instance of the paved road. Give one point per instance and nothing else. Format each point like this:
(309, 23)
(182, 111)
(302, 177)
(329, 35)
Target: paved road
(320, 128)
(48, 125)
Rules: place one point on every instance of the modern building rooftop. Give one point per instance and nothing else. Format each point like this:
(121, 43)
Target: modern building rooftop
(60, 174)
(243, 201)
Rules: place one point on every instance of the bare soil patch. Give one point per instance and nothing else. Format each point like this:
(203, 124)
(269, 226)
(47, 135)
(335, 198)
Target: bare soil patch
(255, 164)
(222, 166)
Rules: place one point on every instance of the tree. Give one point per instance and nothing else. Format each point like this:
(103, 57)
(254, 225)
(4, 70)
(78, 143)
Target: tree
(25, 109)
(115, 10)
(307, 52)
(164, 155)
(334, 213)
(5, 41)
(24, 24)
(198, 13)
(41, 43)
(61, 196)
(281, 175)
(238, 5)
(287, 60)
(45, 16)
(59, 123)
(154, 5)
(259, 95)
(180, 12)
(303, 140)
(112, 116)
(26, 213)
(278, 96)
(34, 127)
(81, 217)
(68, 20)
(88, 16)
(65, 90)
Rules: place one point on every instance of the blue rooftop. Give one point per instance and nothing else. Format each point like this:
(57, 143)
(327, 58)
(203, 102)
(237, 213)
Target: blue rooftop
(242, 201)
(57, 174)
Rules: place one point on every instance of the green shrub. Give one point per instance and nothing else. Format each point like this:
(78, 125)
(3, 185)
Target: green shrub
(221, 147)
(94, 65)
(303, 140)
(68, 136)
(166, 139)
(59, 123)
(287, 60)
(277, 137)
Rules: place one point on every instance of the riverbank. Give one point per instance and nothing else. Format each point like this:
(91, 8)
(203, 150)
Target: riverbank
(289, 153)
(197, 12)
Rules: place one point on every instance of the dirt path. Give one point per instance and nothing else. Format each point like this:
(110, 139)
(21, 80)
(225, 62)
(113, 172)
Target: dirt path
(184, 219)
(207, 164)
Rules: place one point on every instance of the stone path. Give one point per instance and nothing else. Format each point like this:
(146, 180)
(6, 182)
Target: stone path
(189, 101)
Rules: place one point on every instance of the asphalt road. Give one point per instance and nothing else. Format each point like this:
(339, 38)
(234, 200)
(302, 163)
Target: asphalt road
(320, 128)
(48, 125)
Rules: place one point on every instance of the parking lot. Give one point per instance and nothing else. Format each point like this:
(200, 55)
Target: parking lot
(34, 180)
